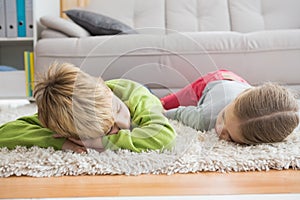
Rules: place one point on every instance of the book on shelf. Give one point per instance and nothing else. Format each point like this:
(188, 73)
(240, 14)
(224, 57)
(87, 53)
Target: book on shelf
(2, 19)
(11, 18)
(29, 72)
(16, 18)
(29, 18)
(21, 22)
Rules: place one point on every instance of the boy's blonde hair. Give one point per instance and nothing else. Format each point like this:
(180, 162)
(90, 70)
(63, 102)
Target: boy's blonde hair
(268, 113)
(73, 103)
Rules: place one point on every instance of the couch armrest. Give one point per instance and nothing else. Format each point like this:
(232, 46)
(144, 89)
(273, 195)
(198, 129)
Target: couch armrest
(50, 33)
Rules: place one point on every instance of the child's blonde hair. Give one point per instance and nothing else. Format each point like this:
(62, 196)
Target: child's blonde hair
(73, 103)
(268, 113)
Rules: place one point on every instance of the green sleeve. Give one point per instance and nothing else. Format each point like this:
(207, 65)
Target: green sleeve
(151, 130)
(27, 131)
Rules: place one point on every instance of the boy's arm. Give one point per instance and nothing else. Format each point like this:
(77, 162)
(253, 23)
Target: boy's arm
(152, 133)
(27, 131)
(151, 129)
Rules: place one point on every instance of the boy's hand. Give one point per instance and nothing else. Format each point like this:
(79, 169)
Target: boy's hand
(80, 146)
(95, 143)
(69, 145)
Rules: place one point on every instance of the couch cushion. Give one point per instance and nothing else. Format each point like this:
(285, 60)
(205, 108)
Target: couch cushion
(255, 15)
(225, 42)
(149, 59)
(141, 44)
(191, 43)
(103, 46)
(197, 15)
(143, 15)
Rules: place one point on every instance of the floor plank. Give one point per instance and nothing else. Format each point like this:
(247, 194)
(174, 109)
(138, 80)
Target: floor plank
(204, 183)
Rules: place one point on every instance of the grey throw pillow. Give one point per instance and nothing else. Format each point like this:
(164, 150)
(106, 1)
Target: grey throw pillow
(98, 24)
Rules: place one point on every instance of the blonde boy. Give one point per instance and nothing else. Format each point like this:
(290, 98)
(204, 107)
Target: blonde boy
(77, 111)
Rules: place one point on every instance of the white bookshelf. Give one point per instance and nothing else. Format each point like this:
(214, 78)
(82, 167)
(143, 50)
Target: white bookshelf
(12, 83)
(18, 39)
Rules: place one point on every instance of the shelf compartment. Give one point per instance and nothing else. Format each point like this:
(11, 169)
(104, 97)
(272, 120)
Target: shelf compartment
(12, 84)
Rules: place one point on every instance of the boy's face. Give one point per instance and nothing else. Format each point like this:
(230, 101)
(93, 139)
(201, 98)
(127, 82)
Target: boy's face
(227, 125)
(121, 116)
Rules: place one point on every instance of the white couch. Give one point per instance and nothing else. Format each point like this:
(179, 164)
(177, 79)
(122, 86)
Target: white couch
(180, 40)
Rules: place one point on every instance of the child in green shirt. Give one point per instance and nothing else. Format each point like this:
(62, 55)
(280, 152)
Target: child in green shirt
(77, 111)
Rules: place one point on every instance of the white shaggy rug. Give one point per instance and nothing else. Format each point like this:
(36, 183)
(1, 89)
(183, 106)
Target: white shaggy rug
(194, 152)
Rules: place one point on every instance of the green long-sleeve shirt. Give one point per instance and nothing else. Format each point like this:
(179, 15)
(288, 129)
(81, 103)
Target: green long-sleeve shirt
(150, 128)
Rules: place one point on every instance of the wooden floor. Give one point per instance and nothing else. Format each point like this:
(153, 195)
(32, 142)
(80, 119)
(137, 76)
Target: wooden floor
(272, 182)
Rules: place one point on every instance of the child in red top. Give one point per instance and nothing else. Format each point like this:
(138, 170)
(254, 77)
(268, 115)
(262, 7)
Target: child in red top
(238, 111)
(190, 95)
